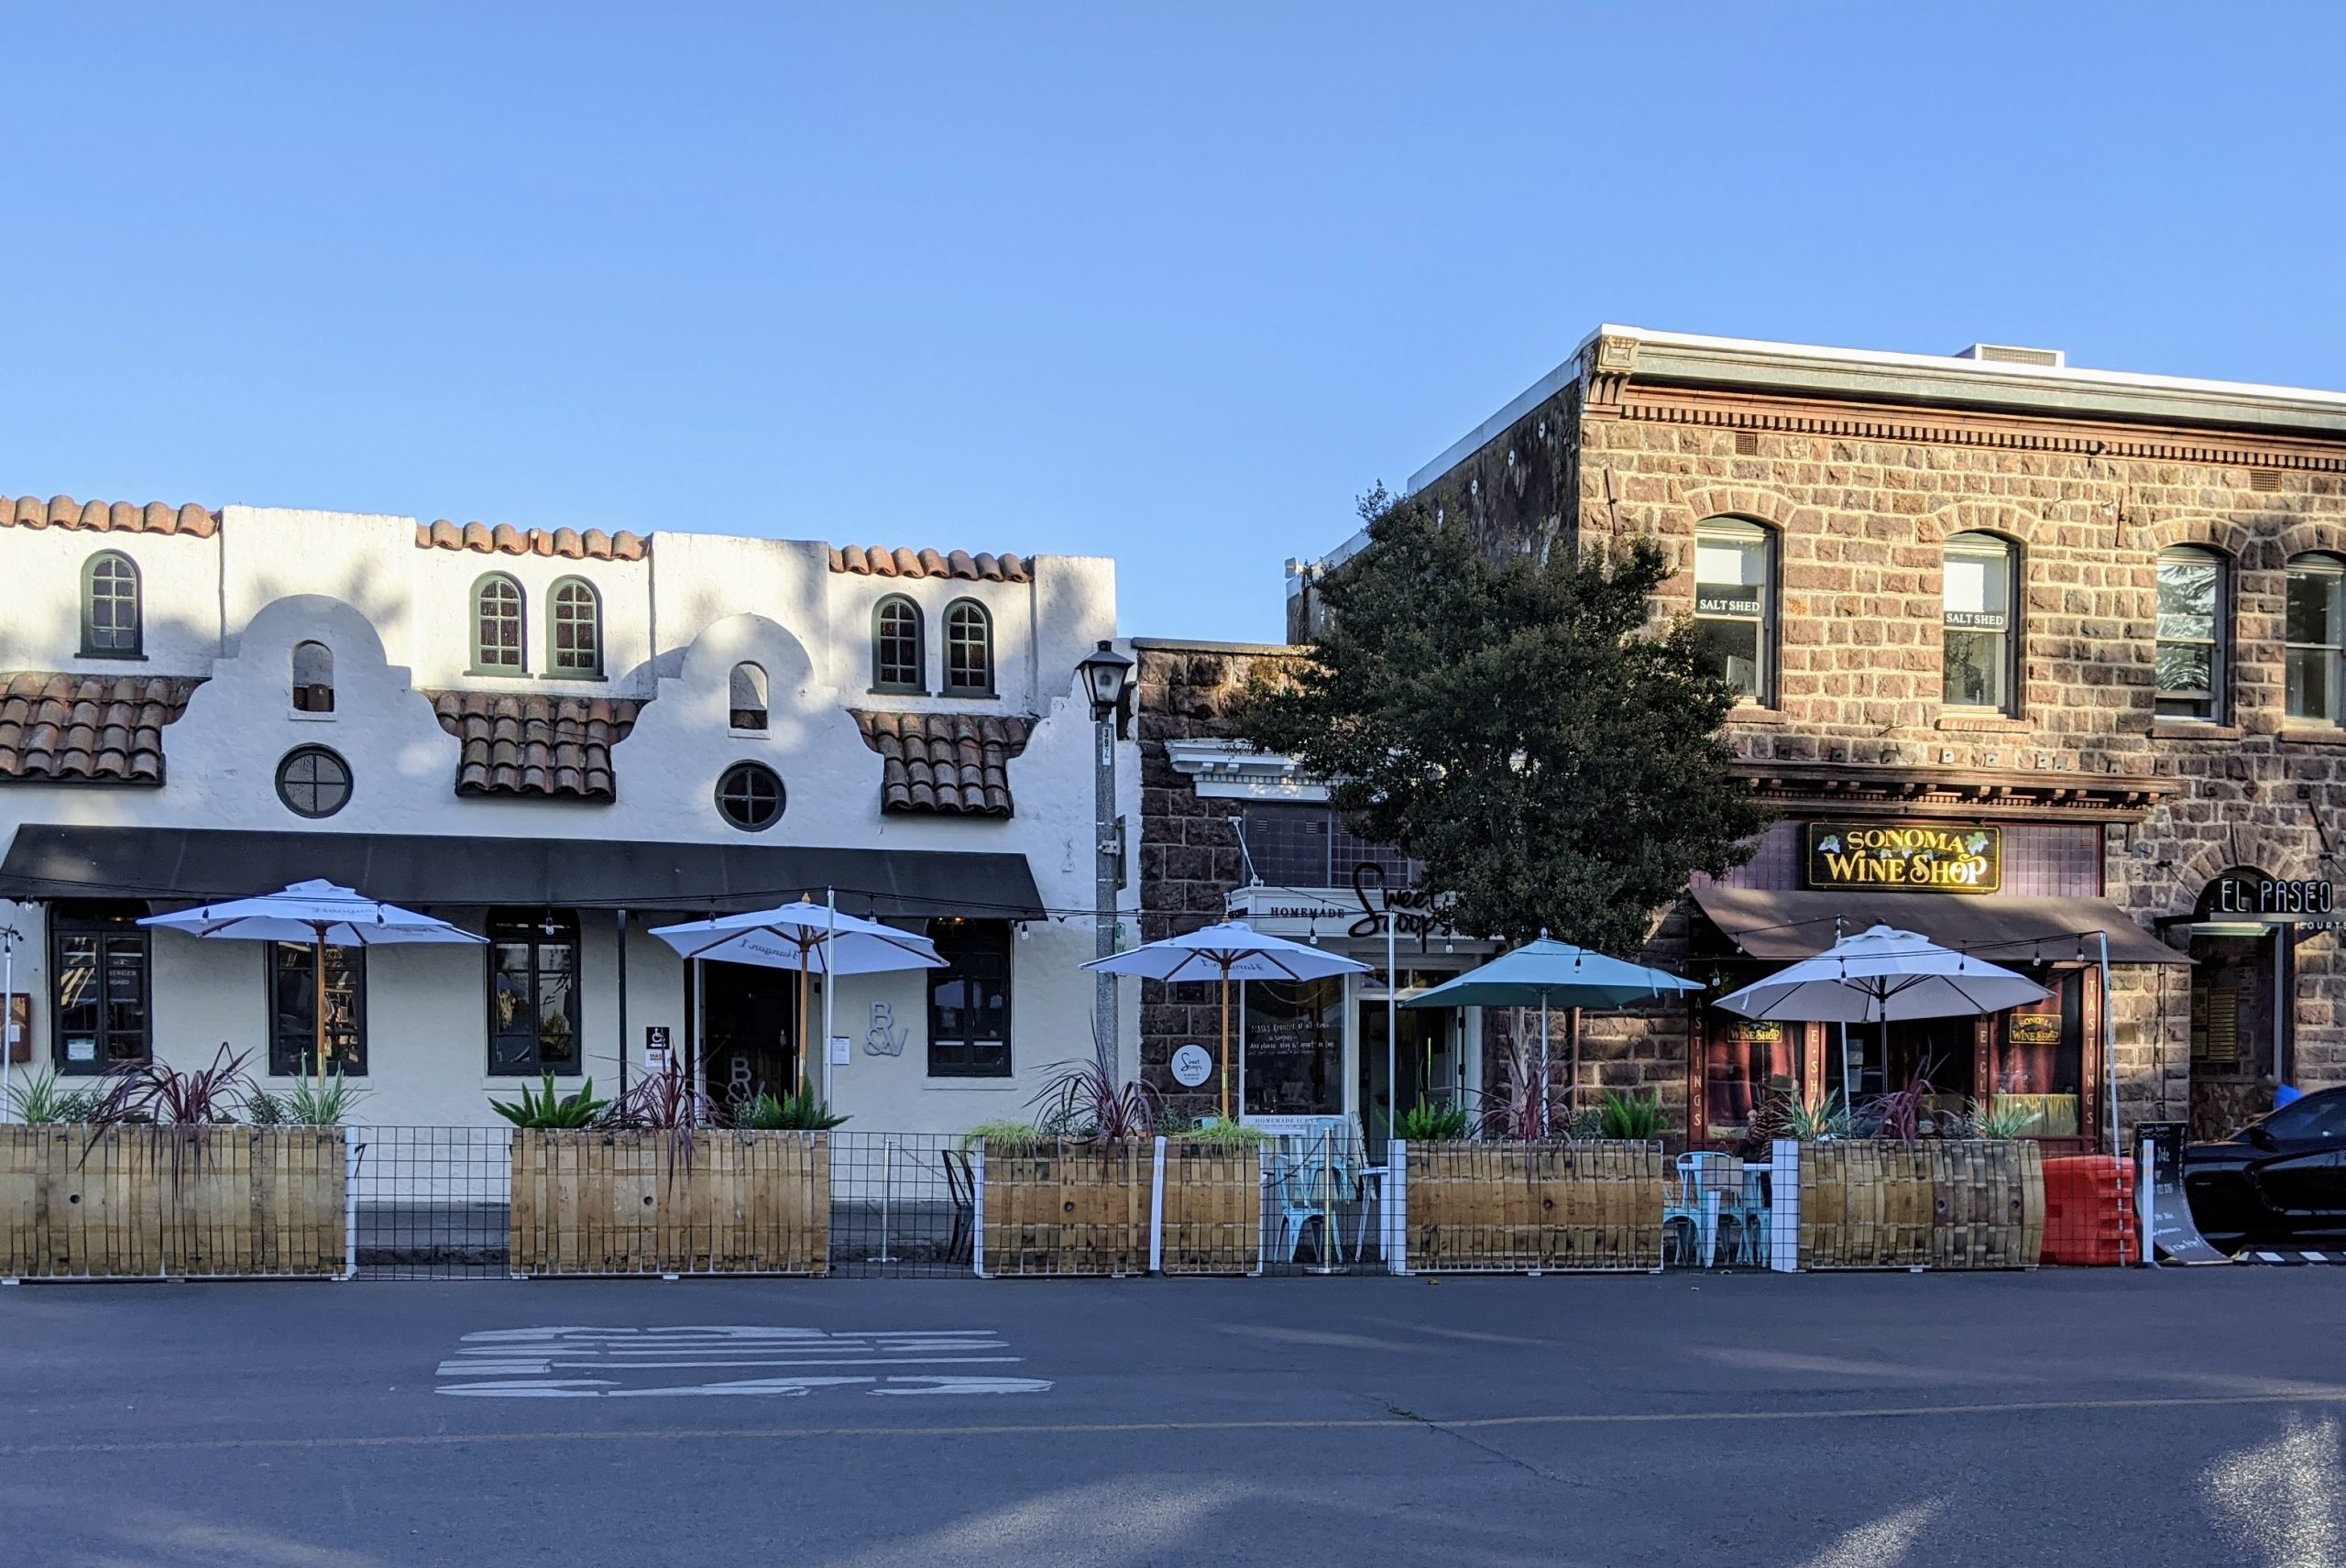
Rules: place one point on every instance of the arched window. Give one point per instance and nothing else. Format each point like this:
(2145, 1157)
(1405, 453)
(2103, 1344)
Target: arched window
(2194, 655)
(112, 627)
(968, 650)
(497, 626)
(748, 702)
(1977, 641)
(897, 656)
(313, 678)
(1734, 603)
(2315, 632)
(576, 648)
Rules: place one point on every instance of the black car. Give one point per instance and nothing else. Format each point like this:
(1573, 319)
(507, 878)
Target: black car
(2280, 1179)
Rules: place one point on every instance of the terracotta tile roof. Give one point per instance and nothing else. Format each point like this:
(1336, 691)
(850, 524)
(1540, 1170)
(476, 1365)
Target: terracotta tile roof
(67, 729)
(107, 516)
(520, 743)
(957, 764)
(505, 539)
(872, 561)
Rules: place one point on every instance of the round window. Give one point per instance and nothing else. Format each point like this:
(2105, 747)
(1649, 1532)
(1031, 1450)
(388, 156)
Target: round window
(312, 782)
(749, 796)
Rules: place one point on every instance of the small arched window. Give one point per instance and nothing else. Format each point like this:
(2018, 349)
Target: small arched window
(313, 678)
(748, 702)
(1734, 603)
(112, 623)
(497, 626)
(576, 648)
(1977, 645)
(2315, 633)
(968, 650)
(2194, 636)
(897, 656)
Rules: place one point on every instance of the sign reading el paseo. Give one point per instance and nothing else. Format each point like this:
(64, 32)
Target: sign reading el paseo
(1915, 858)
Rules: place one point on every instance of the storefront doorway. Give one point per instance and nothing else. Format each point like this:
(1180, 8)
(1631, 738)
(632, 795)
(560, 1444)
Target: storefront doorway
(1426, 1060)
(749, 1015)
(2242, 934)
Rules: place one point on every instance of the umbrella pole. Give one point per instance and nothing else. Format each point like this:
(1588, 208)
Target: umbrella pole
(802, 1019)
(1225, 1042)
(1543, 1064)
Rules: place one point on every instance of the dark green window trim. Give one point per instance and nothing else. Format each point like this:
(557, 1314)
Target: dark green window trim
(968, 650)
(890, 659)
(114, 612)
(574, 630)
(500, 626)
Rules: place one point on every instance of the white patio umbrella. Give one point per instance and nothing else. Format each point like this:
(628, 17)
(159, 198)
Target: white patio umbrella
(1230, 950)
(322, 915)
(1880, 975)
(813, 938)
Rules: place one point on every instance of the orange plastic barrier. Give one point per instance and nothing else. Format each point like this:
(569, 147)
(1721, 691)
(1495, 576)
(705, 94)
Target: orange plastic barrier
(2090, 1220)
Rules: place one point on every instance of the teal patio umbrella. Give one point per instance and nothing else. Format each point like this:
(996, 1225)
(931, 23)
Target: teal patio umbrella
(1547, 974)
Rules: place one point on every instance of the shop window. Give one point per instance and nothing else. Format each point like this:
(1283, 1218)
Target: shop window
(101, 957)
(749, 796)
(1294, 1048)
(112, 622)
(293, 1010)
(2315, 632)
(497, 626)
(897, 657)
(1747, 1063)
(577, 647)
(968, 650)
(746, 704)
(968, 1000)
(2041, 1063)
(313, 678)
(1977, 638)
(533, 994)
(2193, 658)
(1735, 603)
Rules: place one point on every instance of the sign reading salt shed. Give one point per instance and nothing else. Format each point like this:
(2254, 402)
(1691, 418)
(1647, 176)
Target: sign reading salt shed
(1915, 858)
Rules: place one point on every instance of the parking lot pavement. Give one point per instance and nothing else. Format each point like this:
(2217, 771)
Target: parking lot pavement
(2081, 1417)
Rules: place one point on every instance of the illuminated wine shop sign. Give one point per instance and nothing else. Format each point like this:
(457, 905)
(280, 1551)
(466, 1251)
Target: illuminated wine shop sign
(1907, 857)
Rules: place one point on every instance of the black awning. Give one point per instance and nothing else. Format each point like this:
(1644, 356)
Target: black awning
(190, 864)
(1768, 925)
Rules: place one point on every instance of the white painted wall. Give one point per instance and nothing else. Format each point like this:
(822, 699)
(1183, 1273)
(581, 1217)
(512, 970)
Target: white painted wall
(397, 619)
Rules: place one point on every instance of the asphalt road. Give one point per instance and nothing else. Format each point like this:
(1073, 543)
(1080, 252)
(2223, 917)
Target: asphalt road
(2070, 1418)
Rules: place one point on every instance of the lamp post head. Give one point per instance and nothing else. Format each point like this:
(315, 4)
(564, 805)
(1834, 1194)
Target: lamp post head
(1106, 675)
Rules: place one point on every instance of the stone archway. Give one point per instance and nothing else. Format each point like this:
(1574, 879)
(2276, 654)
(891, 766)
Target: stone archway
(2239, 1024)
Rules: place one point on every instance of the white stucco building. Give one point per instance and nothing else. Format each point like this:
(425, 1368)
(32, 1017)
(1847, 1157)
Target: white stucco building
(558, 739)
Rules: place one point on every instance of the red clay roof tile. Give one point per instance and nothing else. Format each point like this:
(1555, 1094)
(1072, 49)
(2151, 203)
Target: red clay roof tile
(953, 763)
(505, 539)
(57, 728)
(872, 561)
(523, 743)
(104, 517)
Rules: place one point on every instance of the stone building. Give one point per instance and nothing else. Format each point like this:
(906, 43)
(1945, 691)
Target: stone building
(2033, 656)
(559, 739)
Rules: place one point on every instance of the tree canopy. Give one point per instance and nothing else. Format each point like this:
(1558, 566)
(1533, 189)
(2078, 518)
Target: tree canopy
(1524, 727)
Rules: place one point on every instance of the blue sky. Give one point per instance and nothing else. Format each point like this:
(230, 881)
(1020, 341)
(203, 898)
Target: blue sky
(1171, 283)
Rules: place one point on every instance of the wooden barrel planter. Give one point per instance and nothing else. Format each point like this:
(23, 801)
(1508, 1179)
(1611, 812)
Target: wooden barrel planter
(1941, 1203)
(171, 1202)
(1213, 1209)
(1518, 1207)
(1067, 1209)
(710, 1202)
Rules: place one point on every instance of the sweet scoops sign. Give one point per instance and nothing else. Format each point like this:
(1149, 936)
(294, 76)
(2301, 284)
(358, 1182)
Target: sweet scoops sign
(1914, 858)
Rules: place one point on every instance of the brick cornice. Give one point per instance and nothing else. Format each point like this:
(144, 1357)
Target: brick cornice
(1873, 790)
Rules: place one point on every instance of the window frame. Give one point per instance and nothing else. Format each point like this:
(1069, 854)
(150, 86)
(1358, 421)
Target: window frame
(1741, 529)
(520, 642)
(136, 597)
(953, 687)
(295, 1048)
(968, 1055)
(748, 768)
(2331, 568)
(556, 670)
(2009, 661)
(106, 925)
(509, 928)
(918, 684)
(349, 780)
(2218, 643)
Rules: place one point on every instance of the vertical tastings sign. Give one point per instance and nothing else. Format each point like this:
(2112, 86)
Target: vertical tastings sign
(1910, 857)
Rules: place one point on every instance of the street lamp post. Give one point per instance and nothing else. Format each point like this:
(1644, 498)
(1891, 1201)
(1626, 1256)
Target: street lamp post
(1107, 676)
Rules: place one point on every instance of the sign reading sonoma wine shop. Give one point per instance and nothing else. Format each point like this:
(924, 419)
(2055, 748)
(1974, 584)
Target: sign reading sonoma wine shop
(1915, 858)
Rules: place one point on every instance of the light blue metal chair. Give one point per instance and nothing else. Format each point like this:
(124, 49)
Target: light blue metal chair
(1712, 1186)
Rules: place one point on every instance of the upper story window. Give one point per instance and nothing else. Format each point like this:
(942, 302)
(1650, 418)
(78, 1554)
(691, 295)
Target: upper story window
(1977, 641)
(112, 624)
(313, 678)
(2193, 658)
(2315, 633)
(968, 650)
(746, 702)
(896, 652)
(577, 645)
(497, 626)
(1734, 603)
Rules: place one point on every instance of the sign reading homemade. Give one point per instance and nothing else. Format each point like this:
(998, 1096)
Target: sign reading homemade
(1915, 858)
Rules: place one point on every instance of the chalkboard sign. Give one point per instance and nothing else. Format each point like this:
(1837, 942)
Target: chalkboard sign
(2172, 1234)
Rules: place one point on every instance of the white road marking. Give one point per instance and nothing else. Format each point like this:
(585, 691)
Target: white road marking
(630, 1363)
